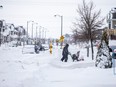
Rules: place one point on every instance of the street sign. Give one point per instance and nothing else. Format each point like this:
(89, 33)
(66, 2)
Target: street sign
(61, 38)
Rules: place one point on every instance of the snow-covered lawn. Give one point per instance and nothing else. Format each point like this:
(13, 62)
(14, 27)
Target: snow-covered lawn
(46, 70)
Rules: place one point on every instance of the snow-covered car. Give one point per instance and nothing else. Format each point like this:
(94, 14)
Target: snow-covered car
(112, 47)
(28, 49)
(45, 47)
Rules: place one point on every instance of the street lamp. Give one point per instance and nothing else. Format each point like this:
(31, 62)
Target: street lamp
(36, 30)
(40, 32)
(27, 29)
(61, 27)
(43, 33)
(43, 38)
(46, 30)
(32, 30)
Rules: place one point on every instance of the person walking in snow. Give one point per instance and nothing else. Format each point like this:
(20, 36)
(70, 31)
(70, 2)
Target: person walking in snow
(36, 49)
(65, 53)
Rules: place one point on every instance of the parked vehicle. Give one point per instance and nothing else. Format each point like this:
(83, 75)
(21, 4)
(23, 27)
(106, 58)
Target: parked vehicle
(112, 47)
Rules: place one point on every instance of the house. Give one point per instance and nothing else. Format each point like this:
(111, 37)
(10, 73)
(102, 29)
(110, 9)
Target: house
(9, 33)
(111, 20)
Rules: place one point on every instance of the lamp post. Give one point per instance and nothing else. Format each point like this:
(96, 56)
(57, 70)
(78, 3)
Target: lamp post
(36, 30)
(27, 29)
(43, 33)
(61, 27)
(40, 32)
(32, 30)
(46, 32)
(46, 39)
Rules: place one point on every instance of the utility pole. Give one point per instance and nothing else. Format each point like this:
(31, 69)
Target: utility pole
(61, 28)
(32, 31)
(27, 30)
(36, 31)
(40, 32)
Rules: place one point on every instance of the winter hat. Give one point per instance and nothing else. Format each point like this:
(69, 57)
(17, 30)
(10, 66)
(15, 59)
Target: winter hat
(114, 50)
(67, 45)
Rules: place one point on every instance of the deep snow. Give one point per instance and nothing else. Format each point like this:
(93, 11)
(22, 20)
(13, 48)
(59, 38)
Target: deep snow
(19, 69)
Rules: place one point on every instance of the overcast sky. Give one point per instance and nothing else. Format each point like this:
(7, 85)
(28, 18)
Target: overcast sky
(19, 12)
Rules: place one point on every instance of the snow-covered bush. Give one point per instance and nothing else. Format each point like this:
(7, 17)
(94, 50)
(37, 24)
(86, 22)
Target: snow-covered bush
(103, 58)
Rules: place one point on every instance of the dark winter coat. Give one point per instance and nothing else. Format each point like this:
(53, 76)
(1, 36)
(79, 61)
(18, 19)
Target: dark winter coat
(65, 51)
(114, 55)
(36, 48)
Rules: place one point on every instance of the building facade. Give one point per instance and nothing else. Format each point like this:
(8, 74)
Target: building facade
(111, 20)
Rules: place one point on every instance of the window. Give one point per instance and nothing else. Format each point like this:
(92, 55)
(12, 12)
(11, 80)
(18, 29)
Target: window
(114, 15)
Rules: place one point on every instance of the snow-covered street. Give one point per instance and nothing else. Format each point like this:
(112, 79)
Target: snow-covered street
(46, 70)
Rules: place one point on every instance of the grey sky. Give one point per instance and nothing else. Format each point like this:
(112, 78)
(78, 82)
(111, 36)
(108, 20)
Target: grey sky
(43, 11)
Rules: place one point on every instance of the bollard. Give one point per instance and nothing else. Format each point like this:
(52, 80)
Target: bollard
(50, 48)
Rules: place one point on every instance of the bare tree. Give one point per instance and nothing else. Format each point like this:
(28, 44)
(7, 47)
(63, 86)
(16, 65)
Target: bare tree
(88, 22)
